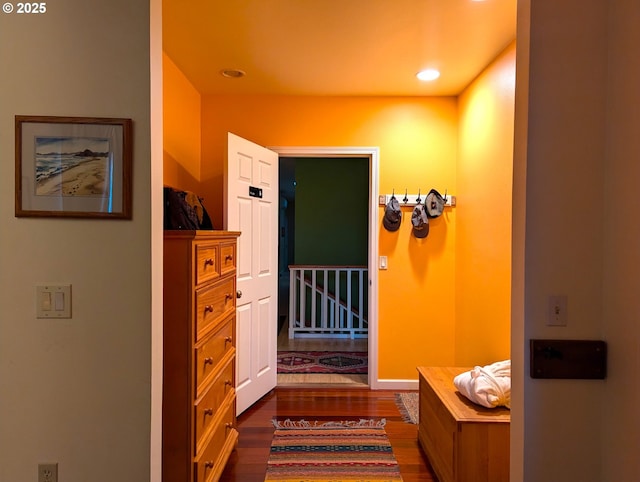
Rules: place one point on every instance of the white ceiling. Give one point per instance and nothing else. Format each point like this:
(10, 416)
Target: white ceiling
(335, 47)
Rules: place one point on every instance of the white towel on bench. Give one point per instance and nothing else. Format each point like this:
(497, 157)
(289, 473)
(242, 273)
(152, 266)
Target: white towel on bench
(489, 386)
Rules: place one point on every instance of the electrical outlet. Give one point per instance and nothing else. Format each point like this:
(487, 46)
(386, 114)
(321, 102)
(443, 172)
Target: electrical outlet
(48, 472)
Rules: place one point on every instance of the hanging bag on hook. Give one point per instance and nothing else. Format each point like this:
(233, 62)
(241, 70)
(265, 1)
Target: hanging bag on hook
(434, 204)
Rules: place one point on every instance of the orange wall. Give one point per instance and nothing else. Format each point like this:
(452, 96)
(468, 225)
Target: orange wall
(417, 138)
(483, 249)
(444, 300)
(182, 129)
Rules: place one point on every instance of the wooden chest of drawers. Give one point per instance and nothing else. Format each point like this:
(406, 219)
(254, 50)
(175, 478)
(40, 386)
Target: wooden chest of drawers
(198, 413)
(463, 441)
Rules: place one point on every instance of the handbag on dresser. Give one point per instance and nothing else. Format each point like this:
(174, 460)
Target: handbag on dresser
(184, 210)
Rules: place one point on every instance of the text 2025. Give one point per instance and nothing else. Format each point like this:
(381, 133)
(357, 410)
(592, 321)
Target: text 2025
(35, 7)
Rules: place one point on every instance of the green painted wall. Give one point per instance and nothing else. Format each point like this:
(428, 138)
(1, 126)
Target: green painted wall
(331, 211)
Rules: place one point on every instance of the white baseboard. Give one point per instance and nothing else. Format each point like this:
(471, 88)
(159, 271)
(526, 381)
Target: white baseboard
(394, 385)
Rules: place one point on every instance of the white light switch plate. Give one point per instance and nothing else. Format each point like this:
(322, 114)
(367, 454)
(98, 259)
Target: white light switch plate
(557, 311)
(53, 301)
(383, 262)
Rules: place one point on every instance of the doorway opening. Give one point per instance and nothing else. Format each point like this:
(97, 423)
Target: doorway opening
(327, 221)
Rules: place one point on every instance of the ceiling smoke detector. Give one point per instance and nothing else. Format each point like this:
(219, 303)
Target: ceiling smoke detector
(232, 73)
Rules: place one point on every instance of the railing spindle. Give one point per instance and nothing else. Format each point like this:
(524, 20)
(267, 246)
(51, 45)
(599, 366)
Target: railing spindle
(360, 298)
(302, 287)
(325, 299)
(314, 288)
(338, 306)
(349, 307)
(292, 302)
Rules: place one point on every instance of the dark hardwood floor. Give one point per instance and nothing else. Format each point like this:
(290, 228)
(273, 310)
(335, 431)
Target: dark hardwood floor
(248, 463)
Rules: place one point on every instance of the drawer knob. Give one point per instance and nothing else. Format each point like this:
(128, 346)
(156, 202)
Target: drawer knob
(228, 257)
(208, 361)
(208, 464)
(208, 309)
(208, 411)
(228, 296)
(228, 339)
(227, 382)
(238, 294)
(208, 262)
(228, 425)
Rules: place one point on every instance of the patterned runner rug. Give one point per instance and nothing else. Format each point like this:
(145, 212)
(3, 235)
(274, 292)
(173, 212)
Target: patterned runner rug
(348, 363)
(407, 403)
(349, 451)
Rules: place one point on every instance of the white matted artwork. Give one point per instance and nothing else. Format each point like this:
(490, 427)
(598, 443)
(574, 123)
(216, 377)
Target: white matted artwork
(73, 167)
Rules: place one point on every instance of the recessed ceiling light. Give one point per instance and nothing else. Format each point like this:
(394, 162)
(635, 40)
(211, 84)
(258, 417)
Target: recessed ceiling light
(428, 75)
(232, 73)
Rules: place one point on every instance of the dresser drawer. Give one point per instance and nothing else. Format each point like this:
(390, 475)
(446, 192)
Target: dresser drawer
(213, 303)
(227, 258)
(209, 354)
(209, 461)
(207, 262)
(206, 408)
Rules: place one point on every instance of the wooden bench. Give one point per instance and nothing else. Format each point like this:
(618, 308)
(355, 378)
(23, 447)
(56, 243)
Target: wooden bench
(463, 441)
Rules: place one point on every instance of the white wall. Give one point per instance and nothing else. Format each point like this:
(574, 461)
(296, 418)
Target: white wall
(78, 392)
(581, 148)
(564, 229)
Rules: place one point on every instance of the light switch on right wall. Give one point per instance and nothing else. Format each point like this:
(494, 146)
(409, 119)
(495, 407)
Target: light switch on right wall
(557, 312)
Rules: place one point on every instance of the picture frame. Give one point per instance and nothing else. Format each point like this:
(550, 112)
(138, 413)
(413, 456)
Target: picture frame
(77, 167)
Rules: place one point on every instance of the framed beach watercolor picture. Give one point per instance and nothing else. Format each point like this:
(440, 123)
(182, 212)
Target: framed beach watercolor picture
(73, 167)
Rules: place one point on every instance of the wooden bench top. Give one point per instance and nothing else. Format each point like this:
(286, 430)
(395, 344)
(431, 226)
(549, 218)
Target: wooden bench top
(440, 379)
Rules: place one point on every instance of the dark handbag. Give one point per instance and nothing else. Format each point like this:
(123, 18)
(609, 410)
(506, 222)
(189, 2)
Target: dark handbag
(184, 210)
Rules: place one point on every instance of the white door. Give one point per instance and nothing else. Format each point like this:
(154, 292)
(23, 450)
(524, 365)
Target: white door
(251, 183)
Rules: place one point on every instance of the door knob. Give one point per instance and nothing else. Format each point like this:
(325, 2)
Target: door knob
(238, 294)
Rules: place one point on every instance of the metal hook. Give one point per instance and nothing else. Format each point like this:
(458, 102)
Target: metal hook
(406, 199)
(393, 193)
(418, 200)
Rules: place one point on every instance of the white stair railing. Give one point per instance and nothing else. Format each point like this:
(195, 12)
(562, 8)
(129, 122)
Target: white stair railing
(328, 301)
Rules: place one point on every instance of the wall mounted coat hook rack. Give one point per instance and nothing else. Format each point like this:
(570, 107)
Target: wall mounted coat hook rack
(414, 199)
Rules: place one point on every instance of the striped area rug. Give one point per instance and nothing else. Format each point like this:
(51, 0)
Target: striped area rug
(346, 451)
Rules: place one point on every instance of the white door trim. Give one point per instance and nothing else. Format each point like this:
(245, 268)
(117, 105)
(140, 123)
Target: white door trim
(373, 153)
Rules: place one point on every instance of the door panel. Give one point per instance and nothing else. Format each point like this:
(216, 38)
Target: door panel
(252, 166)
(266, 241)
(243, 338)
(263, 357)
(244, 242)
